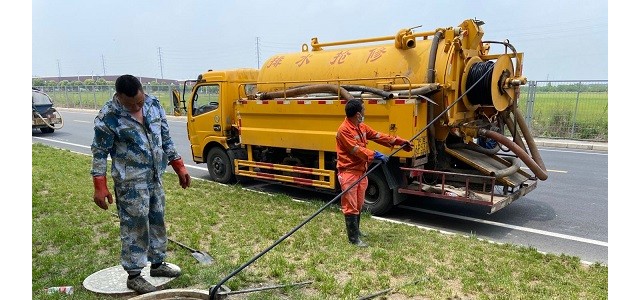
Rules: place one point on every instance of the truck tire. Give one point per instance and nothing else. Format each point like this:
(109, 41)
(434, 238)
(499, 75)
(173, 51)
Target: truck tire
(46, 129)
(219, 166)
(378, 198)
(242, 155)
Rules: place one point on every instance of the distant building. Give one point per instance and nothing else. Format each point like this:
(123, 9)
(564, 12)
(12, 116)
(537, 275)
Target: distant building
(144, 80)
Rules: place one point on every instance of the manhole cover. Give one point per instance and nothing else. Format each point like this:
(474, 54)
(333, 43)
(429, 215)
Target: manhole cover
(113, 281)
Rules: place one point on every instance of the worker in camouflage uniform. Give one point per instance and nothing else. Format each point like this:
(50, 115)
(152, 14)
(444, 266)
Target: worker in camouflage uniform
(133, 130)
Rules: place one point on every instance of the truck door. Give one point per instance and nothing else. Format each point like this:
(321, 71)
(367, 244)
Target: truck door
(205, 118)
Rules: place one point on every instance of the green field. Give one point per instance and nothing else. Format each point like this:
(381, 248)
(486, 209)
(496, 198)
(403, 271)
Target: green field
(95, 98)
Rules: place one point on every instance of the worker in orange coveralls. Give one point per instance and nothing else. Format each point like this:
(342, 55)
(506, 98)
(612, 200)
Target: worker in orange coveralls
(353, 161)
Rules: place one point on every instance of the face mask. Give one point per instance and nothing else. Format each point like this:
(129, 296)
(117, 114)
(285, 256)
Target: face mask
(361, 118)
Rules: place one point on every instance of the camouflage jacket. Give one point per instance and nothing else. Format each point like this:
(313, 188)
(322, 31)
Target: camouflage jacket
(139, 152)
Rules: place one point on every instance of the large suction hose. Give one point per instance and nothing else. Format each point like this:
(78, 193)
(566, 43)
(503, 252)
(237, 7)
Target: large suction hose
(47, 123)
(515, 166)
(529, 138)
(421, 90)
(476, 148)
(526, 159)
(309, 89)
(431, 77)
(360, 88)
(512, 128)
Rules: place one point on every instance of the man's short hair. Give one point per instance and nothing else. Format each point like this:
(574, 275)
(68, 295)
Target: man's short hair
(353, 107)
(128, 85)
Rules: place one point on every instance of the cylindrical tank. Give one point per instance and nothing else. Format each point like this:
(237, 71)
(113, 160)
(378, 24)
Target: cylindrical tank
(452, 66)
(366, 65)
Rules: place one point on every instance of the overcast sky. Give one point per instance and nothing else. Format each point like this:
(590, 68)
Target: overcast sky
(561, 40)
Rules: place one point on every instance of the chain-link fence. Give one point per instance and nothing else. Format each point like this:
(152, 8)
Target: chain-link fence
(567, 109)
(94, 96)
(554, 109)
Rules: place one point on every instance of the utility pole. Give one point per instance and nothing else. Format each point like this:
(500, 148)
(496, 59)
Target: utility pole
(58, 70)
(258, 50)
(160, 56)
(104, 70)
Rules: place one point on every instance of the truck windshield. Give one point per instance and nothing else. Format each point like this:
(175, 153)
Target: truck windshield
(205, 99)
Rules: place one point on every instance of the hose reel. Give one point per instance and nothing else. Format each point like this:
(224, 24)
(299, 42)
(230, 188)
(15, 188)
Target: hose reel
(494, 90)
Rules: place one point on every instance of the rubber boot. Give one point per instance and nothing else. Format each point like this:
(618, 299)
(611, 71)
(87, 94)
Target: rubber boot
(360, 233)
(352, 230)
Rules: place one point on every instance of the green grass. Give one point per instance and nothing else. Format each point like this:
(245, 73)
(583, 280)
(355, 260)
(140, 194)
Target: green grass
(72, 238)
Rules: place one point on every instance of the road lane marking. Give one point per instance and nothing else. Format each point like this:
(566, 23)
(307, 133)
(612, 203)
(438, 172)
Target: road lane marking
(553, 171)
(61, 142)
(514, 227)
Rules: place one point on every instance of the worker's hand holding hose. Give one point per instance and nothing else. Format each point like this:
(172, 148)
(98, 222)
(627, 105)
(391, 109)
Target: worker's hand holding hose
(101, 192)
(406, 145)
(178, 166)
(380, 156)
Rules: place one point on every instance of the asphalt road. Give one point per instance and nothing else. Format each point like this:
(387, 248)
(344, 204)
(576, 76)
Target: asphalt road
(566, 214)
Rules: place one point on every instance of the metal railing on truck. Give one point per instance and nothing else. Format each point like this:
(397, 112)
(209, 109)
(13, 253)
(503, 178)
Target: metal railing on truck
(486, 197)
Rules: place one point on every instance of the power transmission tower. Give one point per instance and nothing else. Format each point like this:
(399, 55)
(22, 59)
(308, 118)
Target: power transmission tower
(258, 50)
(104, 70)
(160, 56)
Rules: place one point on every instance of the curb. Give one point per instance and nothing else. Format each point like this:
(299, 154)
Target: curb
(575, 145)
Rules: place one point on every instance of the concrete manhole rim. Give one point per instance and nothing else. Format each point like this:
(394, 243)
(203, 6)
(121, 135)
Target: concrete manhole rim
(186, 294)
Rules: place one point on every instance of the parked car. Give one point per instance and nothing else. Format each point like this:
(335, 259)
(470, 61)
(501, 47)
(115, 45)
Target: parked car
(44, 116)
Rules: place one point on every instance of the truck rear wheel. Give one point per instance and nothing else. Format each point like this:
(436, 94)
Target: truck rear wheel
(46, 129)
(378, 197)
(219, 166)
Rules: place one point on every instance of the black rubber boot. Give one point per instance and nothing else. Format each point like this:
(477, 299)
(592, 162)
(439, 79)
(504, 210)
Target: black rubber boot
(360, 233)
(352, 230)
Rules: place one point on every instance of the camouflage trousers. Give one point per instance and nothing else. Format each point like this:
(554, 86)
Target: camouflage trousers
(142, 230)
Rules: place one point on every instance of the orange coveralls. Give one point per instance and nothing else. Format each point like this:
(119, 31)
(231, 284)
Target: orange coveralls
(353, 160)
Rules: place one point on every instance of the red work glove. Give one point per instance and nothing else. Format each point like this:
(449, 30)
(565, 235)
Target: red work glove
(178, 166)
(406, 146)
(100, 192)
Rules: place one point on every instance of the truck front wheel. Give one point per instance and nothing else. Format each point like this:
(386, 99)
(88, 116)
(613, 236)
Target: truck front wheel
(378, 197)
(219, 166)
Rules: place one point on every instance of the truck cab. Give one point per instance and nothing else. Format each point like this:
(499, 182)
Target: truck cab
(211, 118)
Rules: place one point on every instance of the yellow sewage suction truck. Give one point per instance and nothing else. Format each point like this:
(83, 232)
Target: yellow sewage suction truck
(443, 88)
